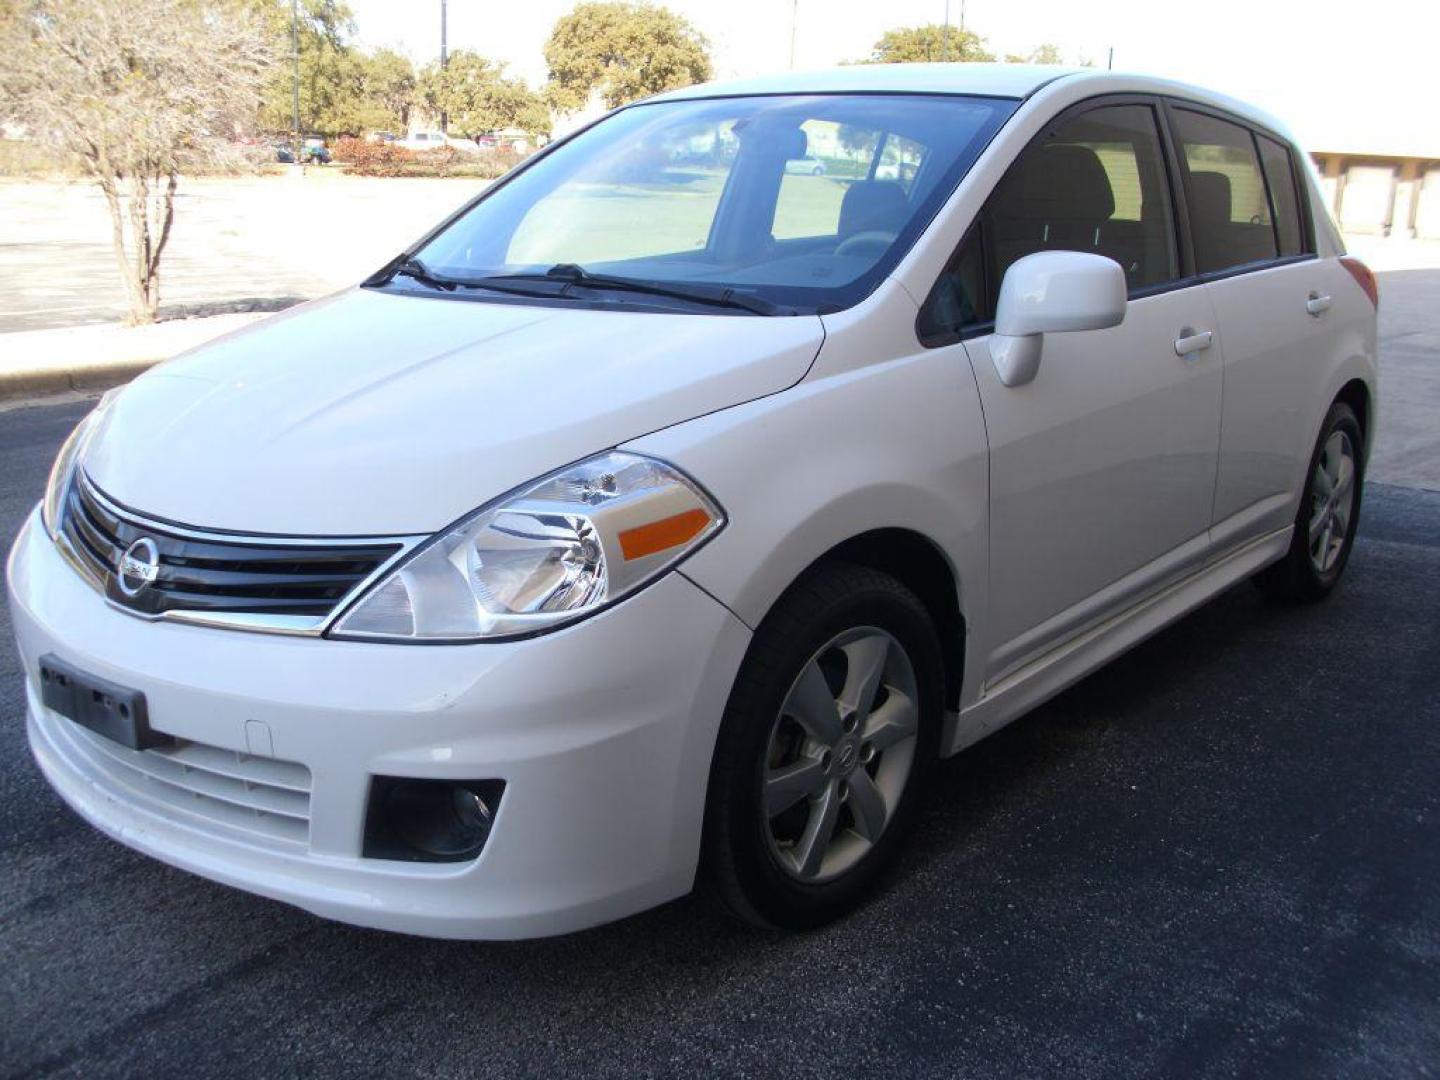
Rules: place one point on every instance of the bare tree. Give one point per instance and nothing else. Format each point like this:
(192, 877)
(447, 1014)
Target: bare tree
(141, 91)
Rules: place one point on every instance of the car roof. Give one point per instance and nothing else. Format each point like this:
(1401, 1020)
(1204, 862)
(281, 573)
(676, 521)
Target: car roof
(991, 80)
(1016, 81)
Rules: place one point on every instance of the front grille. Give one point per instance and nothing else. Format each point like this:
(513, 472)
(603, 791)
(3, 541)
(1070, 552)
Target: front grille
(258, 798)
(297, 582)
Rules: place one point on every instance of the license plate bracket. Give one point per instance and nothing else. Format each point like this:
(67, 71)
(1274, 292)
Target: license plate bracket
(109, 709)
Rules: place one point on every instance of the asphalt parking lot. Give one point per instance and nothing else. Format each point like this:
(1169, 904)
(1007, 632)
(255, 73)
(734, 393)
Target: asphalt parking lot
(1218, 857)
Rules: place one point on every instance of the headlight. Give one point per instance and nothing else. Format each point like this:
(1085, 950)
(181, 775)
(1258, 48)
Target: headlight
(545, 555)
(66, 462)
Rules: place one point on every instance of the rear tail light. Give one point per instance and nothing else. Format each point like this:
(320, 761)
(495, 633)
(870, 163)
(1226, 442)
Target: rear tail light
(1364, 277)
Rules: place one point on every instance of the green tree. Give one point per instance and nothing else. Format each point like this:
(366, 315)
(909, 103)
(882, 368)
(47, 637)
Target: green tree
(332, 72)
(478, 97)
(858, 141)
(922, 44)
(388, 89)
(622, 51)
(1041, 54)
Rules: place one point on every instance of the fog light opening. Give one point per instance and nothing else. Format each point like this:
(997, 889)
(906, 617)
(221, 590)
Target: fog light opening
(429, 820)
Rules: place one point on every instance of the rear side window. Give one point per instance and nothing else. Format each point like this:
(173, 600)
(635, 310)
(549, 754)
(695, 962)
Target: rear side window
(1284, 195)
(1095, 182)
(1229, 210)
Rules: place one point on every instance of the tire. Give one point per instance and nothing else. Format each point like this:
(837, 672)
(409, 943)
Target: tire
(775, 782)
(1311, 569)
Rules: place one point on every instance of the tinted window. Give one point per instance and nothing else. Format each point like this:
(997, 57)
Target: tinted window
(1095, 183)
(1284, 200)
(1229, 211)
(959, 297)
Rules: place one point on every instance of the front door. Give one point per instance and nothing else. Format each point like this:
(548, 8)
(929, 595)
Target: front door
(1102, 470)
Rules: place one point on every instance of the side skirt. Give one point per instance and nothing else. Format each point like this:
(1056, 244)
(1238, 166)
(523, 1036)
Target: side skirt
(1066, 664)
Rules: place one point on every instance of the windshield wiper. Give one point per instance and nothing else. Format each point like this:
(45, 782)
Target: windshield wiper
(564, 275)
(413, 268)
(716, 295)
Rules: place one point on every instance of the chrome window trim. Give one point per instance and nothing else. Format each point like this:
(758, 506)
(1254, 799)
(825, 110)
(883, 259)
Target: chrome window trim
(290, 625)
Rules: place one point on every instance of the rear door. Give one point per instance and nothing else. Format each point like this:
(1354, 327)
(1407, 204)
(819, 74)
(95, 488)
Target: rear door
(1102, 470)
(1253, 248)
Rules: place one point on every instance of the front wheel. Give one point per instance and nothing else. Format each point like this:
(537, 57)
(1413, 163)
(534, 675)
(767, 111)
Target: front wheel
(1328, 516)
(825, 744)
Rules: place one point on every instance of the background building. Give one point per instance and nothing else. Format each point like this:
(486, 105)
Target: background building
(1387, 185)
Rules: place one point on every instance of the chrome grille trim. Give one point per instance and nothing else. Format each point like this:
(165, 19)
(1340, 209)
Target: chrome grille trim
(204, 572)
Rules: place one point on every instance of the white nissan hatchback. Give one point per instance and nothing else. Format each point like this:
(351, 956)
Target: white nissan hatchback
(668, 511)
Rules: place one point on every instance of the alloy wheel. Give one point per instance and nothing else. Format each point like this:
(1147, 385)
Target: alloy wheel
(1332, 501)
(840, 753)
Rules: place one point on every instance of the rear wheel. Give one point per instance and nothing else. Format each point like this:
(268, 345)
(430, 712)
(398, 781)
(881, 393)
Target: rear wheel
(1329, 513)
(826, 741)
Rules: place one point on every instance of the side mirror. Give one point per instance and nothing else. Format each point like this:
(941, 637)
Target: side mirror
(1052, 292)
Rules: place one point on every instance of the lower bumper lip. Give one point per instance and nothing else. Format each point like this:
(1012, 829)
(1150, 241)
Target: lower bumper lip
(601, 732)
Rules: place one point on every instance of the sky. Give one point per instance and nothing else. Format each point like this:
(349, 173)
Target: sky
(1360, 74)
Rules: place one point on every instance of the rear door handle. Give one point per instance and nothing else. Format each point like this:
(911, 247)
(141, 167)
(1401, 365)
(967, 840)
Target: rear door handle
(1191, 341)
(1317, 305)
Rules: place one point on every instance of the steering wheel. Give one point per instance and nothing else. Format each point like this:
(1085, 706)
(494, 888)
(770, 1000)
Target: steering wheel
(879, 239)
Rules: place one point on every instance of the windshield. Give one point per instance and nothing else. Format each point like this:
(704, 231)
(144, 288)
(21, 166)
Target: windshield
(805, 202)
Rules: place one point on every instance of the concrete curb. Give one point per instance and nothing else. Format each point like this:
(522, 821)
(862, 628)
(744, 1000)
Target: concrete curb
(44, 382)
(97, 356)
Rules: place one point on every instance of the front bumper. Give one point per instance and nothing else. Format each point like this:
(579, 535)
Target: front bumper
(602, 732)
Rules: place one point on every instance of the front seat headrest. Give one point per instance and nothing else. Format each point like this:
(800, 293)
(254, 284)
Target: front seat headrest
(873, 205)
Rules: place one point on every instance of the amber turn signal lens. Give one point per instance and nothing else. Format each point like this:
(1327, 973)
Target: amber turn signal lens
(662, 535)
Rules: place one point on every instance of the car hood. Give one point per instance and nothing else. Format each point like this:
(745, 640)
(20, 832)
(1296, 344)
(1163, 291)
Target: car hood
(372, 413)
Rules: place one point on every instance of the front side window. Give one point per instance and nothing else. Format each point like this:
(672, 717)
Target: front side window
(1230, 220)
(802, 201)
(1096, 182)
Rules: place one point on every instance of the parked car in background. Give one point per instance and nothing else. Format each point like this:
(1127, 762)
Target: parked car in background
(313, 151)
(649, 526)
(435, 140)
(807, 166)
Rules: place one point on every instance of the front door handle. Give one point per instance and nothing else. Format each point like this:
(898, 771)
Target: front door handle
(1317, 305)
(1191, 341)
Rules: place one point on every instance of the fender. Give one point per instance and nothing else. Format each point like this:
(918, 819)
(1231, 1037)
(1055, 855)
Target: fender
(907, 434)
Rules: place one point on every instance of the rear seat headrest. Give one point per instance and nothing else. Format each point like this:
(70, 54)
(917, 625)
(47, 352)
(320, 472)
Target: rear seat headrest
(1210, 193)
